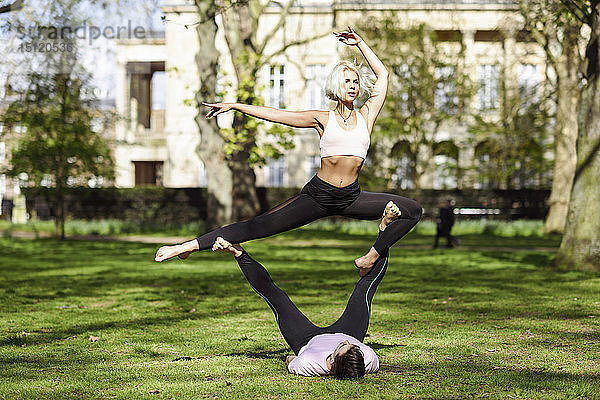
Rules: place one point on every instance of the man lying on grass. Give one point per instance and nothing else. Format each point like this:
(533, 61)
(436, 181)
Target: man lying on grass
(334, 350)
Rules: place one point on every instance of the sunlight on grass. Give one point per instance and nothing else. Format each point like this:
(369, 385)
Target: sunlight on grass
(468, 322)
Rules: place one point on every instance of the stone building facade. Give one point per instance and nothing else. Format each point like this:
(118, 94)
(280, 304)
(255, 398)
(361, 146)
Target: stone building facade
(157, 141)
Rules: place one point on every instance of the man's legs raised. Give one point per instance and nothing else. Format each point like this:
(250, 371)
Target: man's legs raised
(296, 329)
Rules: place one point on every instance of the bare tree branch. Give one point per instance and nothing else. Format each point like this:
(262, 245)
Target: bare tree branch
(16, 5)
(260, 9)
(282, 18)
(578, 11)
(217, 9)
(282, 50)
(298, 66)
(539, 16)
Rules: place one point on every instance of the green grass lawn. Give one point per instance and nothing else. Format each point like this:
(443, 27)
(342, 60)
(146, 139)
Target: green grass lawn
(477, 321)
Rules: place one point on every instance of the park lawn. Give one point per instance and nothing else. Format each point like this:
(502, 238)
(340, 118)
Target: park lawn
(102, 320)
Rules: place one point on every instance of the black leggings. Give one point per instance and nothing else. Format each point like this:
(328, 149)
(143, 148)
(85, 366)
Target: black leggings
(320, 199)
(296, 329)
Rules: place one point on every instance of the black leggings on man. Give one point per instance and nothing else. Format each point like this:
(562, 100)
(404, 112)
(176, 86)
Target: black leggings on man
(320, 199)
(295, 327)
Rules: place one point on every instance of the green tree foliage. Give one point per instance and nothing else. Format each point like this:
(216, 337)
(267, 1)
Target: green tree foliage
(50, 112)
(235, 139)
(558, 32)
(428, 89)
(250, 54)
(510, 147)
(55, 137)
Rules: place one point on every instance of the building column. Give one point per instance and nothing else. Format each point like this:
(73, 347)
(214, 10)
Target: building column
(121, 102)
(426, 168)
(466, 163)
(470, 63)
(510, 69)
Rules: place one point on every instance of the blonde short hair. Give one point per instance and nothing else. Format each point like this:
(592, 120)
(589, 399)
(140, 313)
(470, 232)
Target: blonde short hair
(335, 80)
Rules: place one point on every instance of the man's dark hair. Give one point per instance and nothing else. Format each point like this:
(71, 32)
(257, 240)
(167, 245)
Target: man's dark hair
(349, 365)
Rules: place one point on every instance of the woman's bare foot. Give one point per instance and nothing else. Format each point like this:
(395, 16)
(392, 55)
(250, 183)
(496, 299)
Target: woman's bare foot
(183, 251)
(390, 213)
(365, 263)
(223, 245)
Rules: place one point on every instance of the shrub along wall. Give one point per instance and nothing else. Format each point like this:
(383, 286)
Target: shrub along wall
(512, 204)
(158, 205)
(152, 205)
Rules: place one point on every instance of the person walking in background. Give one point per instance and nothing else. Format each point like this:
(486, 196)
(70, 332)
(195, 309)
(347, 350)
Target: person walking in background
(445, 221)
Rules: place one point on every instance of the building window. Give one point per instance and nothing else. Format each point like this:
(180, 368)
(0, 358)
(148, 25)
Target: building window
(47, 181)
(529, 81)
(159, 90)
(148, 173)
(276, 86)
(275, 173)
(402, 177)
(202, 178)
(313, 163)
(159, 100)
(316, 74)
(445, 172)
(487, 91)
(483, 168)
(404, 86)
(144, 86)
(2, 185)
(2, 151)
(96, 181)
(446, 98)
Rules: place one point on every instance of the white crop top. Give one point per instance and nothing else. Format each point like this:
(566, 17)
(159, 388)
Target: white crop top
(336, 141)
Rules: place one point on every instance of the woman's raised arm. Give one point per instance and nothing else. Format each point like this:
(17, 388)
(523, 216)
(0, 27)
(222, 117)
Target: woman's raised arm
(296, 119)
(375, 102)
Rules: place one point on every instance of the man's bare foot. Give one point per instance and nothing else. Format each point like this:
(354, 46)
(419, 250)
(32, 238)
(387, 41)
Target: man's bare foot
(183, 251)
(223, 245)
(365, 263)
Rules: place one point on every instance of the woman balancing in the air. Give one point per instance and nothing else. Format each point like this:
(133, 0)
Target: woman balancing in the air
(336, 349)
(345, 137)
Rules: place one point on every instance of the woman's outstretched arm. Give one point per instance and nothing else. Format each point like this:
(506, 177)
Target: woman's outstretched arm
(296, 119)
(375, 102)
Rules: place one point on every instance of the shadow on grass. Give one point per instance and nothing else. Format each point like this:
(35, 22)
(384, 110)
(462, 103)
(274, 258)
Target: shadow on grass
(280, 354)
(479, 379)
(46, 275)
(524, 378)
(380, 346)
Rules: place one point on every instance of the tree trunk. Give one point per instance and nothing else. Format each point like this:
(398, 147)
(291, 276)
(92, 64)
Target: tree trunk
(211, 147)
(565, 135)
(248, 55)
(244, 196)
(59, 218)
(565, 159)
(240, 33)
(580, 246)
